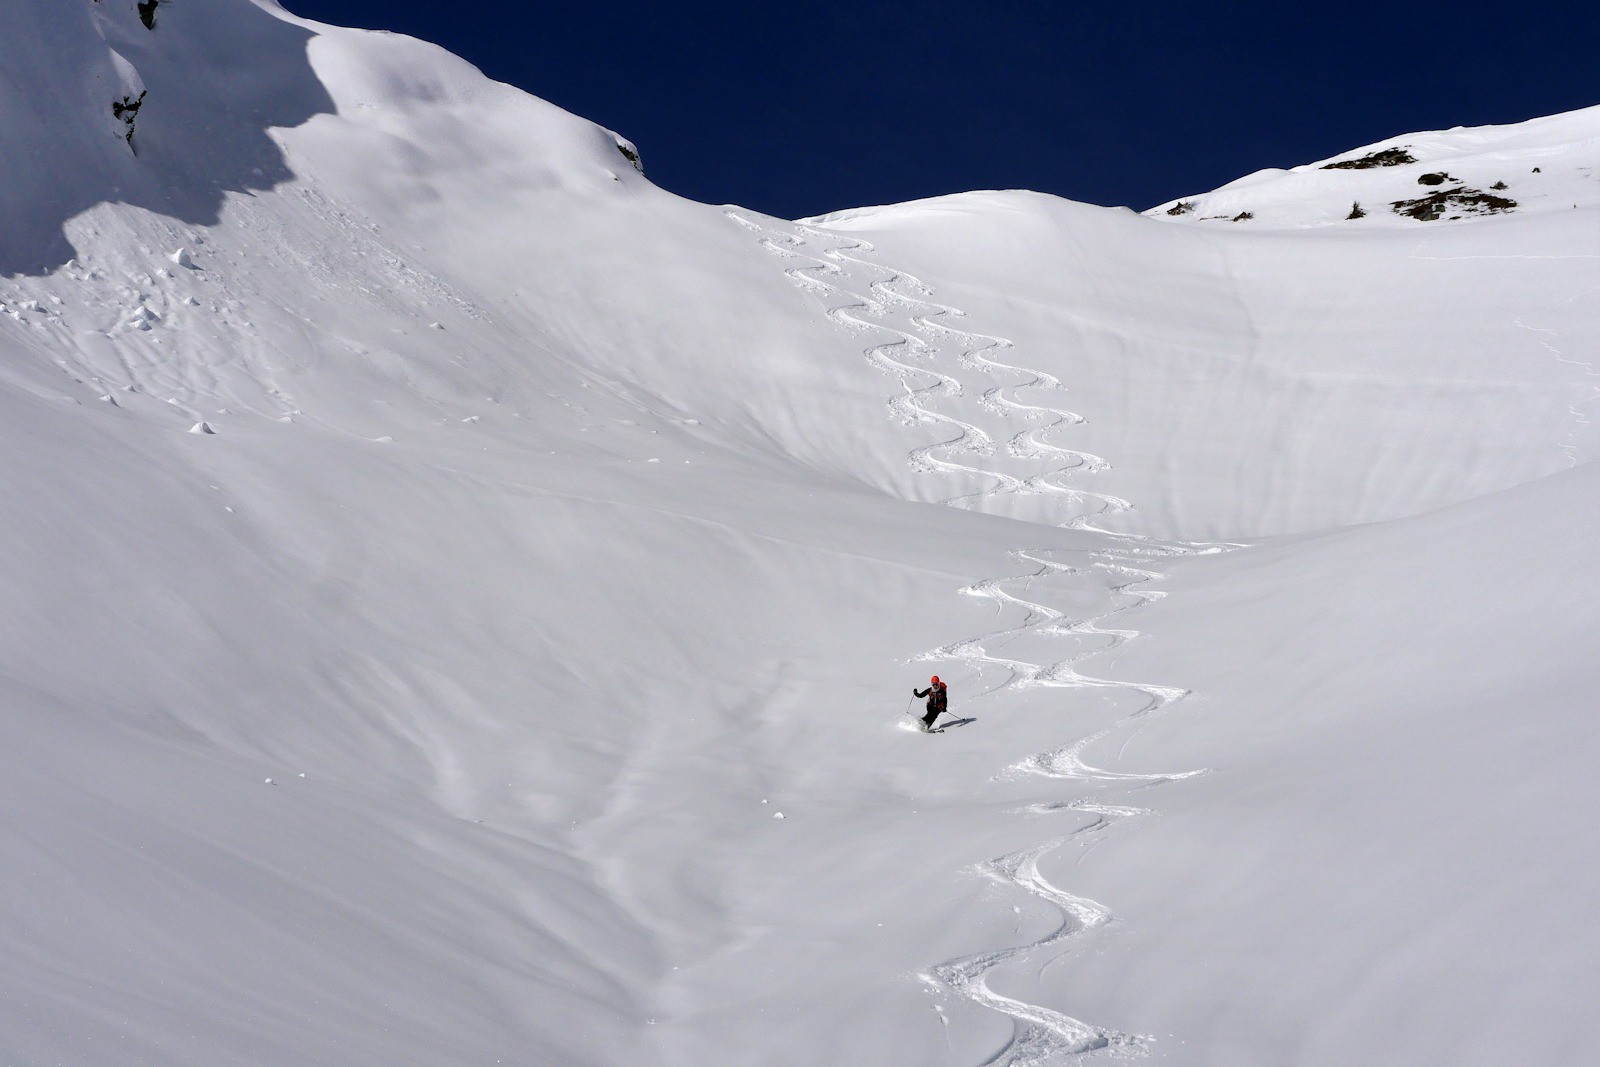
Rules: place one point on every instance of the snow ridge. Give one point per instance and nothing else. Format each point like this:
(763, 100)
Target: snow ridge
(893, 297)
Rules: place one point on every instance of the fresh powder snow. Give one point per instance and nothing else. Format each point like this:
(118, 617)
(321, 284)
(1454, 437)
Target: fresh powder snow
(461, 602)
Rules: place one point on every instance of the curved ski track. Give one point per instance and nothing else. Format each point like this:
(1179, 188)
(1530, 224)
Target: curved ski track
(836, 273)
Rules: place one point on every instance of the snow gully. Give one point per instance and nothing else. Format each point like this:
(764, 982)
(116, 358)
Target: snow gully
(899, 305)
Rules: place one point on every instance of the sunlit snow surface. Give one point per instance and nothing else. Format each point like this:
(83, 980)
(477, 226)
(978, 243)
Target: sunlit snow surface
(553, 535)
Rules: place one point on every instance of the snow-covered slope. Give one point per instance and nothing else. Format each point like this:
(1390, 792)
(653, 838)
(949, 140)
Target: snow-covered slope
(1244, 383)
(1541, 167)
(435, 558)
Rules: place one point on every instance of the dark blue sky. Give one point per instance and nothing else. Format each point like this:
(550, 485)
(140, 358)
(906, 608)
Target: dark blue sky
(799, 108)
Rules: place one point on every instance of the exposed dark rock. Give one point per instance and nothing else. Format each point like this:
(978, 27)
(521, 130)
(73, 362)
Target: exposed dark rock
(1466, 201)
(1438, 177)
(1356, 211)
(630, 154)
(1499, 185)
(126, 111)
(1243, 216)
(1182, 207)
(1383, 157)
(147, 13)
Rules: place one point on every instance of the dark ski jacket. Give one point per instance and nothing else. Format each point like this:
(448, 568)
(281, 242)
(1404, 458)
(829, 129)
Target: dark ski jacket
(938, 696)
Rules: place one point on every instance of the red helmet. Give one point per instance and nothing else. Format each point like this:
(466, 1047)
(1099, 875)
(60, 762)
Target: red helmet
(936, 679)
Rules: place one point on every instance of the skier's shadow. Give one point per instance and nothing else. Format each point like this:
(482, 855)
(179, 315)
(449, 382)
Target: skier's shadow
(951, 725)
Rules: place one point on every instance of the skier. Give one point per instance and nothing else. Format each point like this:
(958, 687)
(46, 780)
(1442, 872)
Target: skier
(938, 701)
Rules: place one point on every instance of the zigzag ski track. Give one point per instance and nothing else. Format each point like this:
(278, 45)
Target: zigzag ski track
(914, 335)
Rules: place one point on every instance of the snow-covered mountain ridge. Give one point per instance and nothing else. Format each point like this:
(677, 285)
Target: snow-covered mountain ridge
(1545, 165)
(554, 535)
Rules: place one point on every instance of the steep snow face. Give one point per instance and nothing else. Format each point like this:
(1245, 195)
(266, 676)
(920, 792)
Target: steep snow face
(1543, 166)
(96, 108)
(552, 535)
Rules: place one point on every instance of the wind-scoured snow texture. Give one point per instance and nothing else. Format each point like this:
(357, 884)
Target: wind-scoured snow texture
(560, 538)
